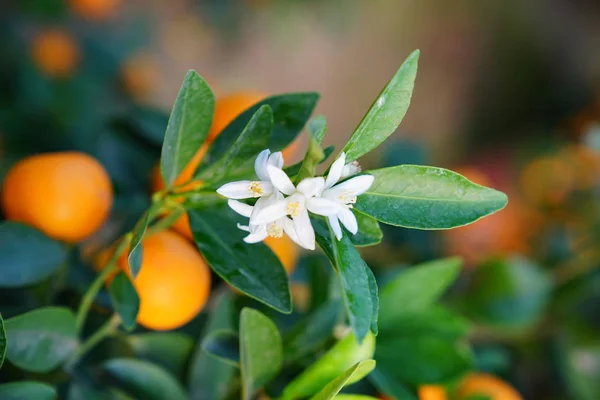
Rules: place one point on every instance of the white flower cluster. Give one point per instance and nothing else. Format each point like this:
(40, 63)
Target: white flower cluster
(283, 208)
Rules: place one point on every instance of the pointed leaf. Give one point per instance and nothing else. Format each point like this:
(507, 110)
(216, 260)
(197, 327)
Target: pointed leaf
(188, 126)
(422, 197)
(134, 259)
(354, 374)
(387, 111)
(25, 390)
(369, 233)
(223, 345)
(125, 300)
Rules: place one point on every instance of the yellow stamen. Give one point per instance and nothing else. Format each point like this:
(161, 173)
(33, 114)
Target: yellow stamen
(274, 231)
(256, 188)
(293, 208)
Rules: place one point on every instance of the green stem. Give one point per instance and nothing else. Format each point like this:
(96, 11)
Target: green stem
(106, 330)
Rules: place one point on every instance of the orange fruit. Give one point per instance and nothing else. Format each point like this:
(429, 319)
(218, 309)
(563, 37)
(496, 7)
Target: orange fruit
(66, 195)
(55, 53)
(186, 175)
(547, 181)
(486, 385)
(228, 108)
(432, 392)
(139, 74)
(97, 10)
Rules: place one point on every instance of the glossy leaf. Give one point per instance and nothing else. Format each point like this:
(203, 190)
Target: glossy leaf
(144, 380)
(26, 390)
(125, 299)
(290, 113)
(243, 151)
(134, 258)
(369, 233)
(314, 154)
(251, 268)
(354, 374)
(188, 126)
(27, 255)
(2, 341)
(432, 320)
(353, 275)
(391, 386)
(170, 350)
(417, 287)
(42, 339)
(374, 292)
(387, 111)
(343, 355)
(223, 345)
(423, 197)
(261, 354)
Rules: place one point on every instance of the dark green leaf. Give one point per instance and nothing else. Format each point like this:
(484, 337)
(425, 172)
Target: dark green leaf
(290, 113)
(170, 350)
(244, 150)
(125, 299)
(354, 374)
(314, 154)
(188, 126)
(148, 123)
(42, 339)
(27, 390)
(416, 288)
(352, 271)
(433, 320)
(423, 197)
(224, 345)
(387, 111)
(27, 256)
(389, 385)
(144, 380)
(374, 291)
(80, 390)
(369, 233)
(345, 396)
(261, 354)
(2, 341)
(251, 268)
(134, 258)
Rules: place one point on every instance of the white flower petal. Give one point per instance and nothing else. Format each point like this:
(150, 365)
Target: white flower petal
(311, 187)
(256, 237)
(324, 207)
(244, 210)
(288, 228)
(348, 219)
(244, 228)
(276, 160)
(351, 168)
(271, 212)
(352, 187)
(304, 230)
(280, 180)
(236, 190)
(335, 172)
(335, 226)
(260, 204)
(260, 165)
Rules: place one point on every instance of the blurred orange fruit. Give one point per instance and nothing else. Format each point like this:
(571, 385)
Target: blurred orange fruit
(486, 385)
(546, 181)
(186, 175)
(228, 108)
(55, 53)
(584, 165)
(432, 392)
(139, 75)
(97, 10)
(67, 195)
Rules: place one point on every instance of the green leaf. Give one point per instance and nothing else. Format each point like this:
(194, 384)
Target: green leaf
(27, 256)
(343, 355)
(389, 385)
(433, 320)
(353, 275)
(416, 288)
(223, 345)
(85, 390)
(251, 268)
(2, 341)
(125, 300)
(209, 378)
(387, 111)
(354, 374)
(144, 380)
(26, 390)
(170, 350)
(344, 396)
(369, 233)
(188, 126)
(423, 197)
(261, 354)
(134, 258)
(42, 339)
(244, 150)
(374, 291)
(314, 154)
(290, 113)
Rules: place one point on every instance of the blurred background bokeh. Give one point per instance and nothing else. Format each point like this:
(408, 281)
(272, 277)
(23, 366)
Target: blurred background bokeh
(508, 94)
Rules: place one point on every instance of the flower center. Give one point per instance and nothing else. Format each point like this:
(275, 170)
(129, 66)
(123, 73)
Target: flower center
(256, 188)
(347, 198)
(293, 208)
(274, 231)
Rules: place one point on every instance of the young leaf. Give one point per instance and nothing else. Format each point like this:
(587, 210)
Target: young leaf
(169, 350)
(416, 288)
(352, 271)
(369, 233)
(261, 354)
(27, 255)
(387, 111)
(134, 258)
(354, 374)
(314, 154)
(251, 268)
(144, 380)
(2, 341)
(42, 339)
(422, 197)
(188, 126)
(125, 300)
(27, 390)
(343, 355)
(223, 345)
(249, 143)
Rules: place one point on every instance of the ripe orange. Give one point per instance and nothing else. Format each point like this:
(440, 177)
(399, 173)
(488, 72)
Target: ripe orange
(95, 9)
(227, 108)
(173, 283)
(139, 74)
(487, 385)
(432, 392)
(547, 181)
(55, 53)
(67, 195)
